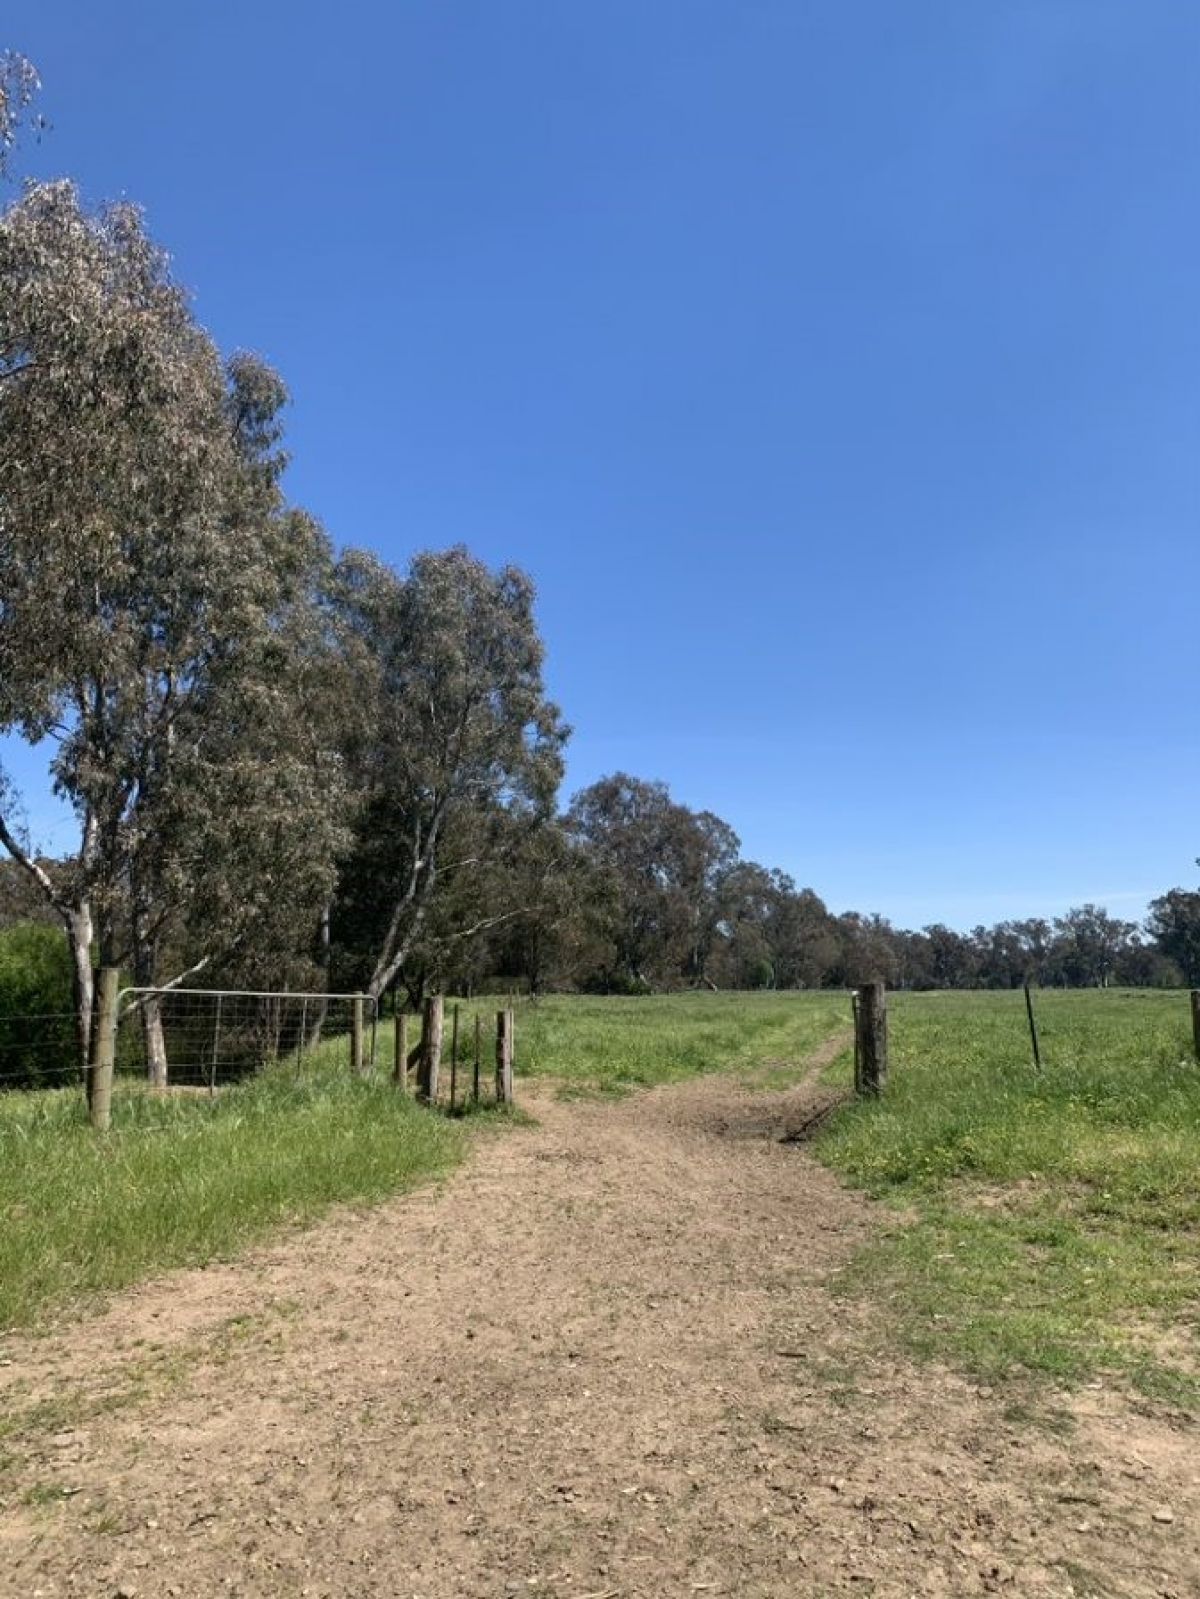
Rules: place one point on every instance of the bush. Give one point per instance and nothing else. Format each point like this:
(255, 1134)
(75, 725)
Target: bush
(37, 1033)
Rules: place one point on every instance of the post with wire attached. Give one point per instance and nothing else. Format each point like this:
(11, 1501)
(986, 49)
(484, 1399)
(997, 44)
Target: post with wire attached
(104, 1048)
(1196, 1021)
(356, 1035)
(872, 1039)
(504, 1057)
(478, 1056)
(431, 1049)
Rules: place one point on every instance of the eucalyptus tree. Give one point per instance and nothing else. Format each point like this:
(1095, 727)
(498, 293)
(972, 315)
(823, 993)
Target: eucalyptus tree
(704, 851)
(1174, 925)
(666, 866)
(459, 727)
(150, 582)
(623, 823)
(802, 935)
(1088, 944)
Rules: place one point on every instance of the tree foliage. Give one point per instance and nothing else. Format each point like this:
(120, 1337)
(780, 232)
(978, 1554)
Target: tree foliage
(460, 735)
(153, 592)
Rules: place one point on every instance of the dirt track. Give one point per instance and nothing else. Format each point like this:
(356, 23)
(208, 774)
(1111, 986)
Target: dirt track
(600, 1361)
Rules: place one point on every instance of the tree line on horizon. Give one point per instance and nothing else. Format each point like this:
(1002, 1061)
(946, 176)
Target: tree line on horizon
(293, 766)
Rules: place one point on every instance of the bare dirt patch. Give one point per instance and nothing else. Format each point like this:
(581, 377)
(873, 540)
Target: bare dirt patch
(599, 1361)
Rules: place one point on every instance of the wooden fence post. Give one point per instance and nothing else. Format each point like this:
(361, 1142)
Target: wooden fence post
(104, 1048)
(356, 1035)
(431, 1049)
(478, 1054)
(1196, 1021)
(504, 1057)
(400, 1060)
(872, 1039)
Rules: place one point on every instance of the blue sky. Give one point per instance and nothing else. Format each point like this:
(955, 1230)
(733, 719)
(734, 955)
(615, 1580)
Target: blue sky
(833, 365)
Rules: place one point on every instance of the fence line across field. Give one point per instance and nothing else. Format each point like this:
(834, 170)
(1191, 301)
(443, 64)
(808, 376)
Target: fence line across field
(191, 1037)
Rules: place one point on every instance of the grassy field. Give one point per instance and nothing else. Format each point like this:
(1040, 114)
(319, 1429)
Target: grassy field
(611, 1045)
(1050, 1219)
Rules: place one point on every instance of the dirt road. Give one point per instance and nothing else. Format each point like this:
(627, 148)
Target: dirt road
(602, 1360)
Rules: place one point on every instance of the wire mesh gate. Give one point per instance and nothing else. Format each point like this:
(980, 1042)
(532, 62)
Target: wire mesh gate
(202, 1037)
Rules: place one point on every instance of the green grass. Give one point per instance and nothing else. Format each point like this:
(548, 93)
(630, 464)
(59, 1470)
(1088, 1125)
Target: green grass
(610, 1045)
(1052, 1219)
(182, 1181)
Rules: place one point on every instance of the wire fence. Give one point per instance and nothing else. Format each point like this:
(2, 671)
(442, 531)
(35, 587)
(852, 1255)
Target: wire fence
(38, 1050)
(151, 1047)
(206, 1038)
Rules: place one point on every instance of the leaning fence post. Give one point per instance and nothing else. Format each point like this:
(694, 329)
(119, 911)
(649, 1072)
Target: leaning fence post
(431, 1049)
(356, 1035)
(1033, 1032)
(504, 1057)
(872, 1039)
(104, 1047)
(400, 1062)
(1196, 1021)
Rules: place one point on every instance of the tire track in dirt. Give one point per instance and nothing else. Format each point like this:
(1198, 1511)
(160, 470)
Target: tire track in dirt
(601, 1359)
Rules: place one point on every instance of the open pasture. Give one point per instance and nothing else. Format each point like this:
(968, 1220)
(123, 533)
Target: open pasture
(1046, 1220)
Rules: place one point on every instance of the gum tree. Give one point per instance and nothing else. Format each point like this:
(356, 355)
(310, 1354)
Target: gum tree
(459, 728)
(151, 584)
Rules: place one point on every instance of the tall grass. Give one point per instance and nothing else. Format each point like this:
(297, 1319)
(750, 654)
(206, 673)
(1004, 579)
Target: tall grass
(1057, 1212)
(185, 1180)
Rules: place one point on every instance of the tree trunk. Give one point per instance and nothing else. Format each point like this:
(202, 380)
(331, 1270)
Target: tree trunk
(145, 966)
(155, 1042)
(79, 937)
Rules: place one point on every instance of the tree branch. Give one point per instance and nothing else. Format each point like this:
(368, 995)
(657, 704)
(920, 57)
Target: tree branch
(488, 921)
(38, 872)
(176, 982)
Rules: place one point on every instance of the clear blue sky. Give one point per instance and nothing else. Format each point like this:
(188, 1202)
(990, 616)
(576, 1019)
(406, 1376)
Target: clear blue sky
(834, 367)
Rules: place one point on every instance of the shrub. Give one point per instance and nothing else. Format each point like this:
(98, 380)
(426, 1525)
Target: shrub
(37, 1035)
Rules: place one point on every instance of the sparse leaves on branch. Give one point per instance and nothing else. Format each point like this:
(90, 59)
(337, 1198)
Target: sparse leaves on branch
(19, 88)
